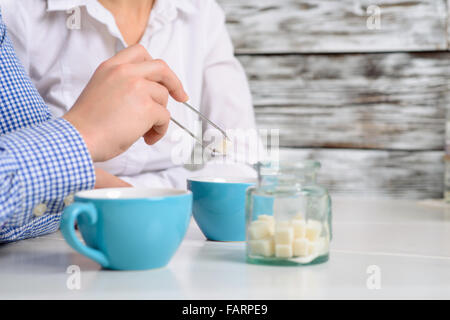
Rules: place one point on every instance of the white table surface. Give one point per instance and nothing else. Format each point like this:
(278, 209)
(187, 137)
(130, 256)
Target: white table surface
(409, 242)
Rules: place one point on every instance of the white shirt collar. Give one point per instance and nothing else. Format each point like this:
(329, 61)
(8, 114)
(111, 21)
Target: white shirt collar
(163, 13)
(161, 6)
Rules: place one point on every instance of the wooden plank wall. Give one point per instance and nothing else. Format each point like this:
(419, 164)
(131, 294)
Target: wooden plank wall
(370, 104)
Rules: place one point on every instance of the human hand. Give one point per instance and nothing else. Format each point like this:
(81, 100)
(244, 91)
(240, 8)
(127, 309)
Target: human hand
(104, 179)
(125, 99)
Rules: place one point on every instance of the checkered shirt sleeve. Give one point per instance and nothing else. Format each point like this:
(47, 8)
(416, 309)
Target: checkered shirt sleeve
(42, 160)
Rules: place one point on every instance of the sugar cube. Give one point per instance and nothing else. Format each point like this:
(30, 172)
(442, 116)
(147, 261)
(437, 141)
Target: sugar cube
(260, 230)
(224, 147)
(266, 217)
(269, 219)
(284, 235)
(299, 227)
(282, 224)
(301, 247)
(313, 230)
(263, 247)
(313, 248)
(283, 251)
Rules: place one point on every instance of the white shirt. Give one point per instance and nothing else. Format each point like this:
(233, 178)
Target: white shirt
(190, 35)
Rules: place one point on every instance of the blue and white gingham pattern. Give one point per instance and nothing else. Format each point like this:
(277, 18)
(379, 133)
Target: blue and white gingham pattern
(42, 160)
(20, 103)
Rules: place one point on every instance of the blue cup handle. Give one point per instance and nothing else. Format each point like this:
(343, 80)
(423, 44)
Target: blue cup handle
(70, 215)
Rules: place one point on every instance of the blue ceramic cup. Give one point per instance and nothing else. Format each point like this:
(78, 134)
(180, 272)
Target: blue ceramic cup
(219, 206)
(128, 228)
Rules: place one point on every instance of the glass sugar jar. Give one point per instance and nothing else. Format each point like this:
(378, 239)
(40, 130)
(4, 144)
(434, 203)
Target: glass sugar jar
(288, 215)
(447, 179)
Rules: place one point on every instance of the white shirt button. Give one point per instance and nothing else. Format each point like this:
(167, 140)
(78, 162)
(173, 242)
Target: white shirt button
(39, 210)
(69, 199)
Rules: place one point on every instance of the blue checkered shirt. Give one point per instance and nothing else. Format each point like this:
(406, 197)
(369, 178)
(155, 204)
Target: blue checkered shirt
(42, 160)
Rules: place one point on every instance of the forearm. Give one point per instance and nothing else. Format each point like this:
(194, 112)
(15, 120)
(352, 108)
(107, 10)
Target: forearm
(169, 178)
(107, 180)
(39, 167)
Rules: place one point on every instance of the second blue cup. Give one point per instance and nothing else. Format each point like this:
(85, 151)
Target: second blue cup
(219, 206)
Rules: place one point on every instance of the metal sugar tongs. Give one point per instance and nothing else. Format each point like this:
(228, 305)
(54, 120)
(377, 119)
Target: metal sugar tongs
(214, 151)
